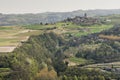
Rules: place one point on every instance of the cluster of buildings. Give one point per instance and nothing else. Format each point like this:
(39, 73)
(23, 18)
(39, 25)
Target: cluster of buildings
(84, 20)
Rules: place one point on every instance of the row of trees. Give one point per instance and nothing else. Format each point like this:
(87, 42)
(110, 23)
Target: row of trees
(86, 74)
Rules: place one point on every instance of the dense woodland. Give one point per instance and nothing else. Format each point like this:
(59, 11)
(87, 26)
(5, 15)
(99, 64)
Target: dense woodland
(99, 48)
(32, 57)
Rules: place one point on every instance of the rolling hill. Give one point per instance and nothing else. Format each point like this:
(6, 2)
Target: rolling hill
(49, 17)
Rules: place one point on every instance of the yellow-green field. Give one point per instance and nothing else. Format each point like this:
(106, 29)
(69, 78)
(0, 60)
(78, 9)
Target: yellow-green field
(11, 36)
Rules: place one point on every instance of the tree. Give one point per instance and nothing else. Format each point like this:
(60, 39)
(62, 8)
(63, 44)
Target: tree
(75, 77)
(41, 23)
(64, 77)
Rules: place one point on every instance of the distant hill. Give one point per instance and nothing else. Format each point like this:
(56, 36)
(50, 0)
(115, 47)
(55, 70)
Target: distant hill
(49, 17)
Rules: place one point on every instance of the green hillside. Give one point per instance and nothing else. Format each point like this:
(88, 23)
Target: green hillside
(64, 51)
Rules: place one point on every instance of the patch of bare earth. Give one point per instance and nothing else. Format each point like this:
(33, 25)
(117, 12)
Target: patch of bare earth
(7, 48)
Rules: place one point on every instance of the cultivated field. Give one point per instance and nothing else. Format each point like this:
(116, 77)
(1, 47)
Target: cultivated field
(11, 36)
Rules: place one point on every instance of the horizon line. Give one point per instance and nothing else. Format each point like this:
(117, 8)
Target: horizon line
(17, 13)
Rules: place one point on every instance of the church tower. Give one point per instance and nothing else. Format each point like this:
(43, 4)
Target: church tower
(85, 15)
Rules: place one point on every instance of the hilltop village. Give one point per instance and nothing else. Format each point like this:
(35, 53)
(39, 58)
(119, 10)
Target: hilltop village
(84, 20)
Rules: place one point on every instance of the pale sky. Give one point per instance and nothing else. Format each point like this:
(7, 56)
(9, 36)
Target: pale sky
(39, 6)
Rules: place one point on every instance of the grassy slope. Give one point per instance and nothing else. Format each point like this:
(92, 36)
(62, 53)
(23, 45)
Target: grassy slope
(94, 29)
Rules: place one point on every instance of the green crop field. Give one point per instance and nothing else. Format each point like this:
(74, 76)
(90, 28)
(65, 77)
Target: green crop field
(38, 26)
(79, 60)
(93, 29)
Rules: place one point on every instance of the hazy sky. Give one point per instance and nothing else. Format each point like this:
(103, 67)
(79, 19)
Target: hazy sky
(38, 6)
